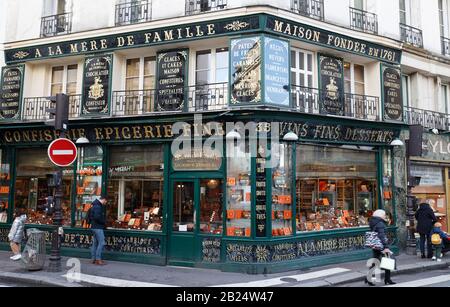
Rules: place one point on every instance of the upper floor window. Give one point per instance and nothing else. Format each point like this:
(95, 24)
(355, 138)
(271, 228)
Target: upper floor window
(406, 90)
(302, 68)
(56, 18)
(200, 6)
(140, 74)
(211, 66)
(354, 78)
(64, 80)
(444, 98)
(405, 12)
(133, 11)
(309, 8)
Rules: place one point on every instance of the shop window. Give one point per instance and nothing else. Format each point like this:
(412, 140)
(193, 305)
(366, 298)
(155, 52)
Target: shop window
(335, 187)
(4, 186)
(239, 190)
(32, 190)
(211, 212)
(135, 188)
(387, 191)
(89, 182)
(64, 80)
(282, 191)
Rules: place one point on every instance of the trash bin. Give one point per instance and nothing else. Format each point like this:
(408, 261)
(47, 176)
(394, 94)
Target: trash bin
(34, 254)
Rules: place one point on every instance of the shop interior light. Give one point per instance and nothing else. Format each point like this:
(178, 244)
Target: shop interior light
(397, 142)
(233, 135)
(82, 141)
(290, 137)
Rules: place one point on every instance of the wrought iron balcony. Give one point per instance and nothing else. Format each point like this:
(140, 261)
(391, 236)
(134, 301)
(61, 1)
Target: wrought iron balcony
(133, 12)
(310, 100)
(208, 97)
(200, 6)
(34, 109)
(445, 46)
(428, 119)
(363, 21)
(56, 25)
(308, 8)
(411, 35)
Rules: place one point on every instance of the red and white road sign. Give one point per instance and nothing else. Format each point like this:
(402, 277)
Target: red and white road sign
(62, 152)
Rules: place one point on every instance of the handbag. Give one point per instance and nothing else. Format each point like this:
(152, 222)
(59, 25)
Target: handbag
(388, 263)
(373, 241)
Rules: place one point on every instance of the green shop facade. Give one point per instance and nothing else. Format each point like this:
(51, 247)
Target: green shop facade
(195, 183)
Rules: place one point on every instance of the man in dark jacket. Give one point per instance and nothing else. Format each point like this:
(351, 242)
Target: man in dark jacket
(98, 224)
(425, 220)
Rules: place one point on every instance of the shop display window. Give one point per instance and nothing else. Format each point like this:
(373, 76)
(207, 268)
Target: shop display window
(335, 187)
(89, 182)
(32, 190)
(4, 186)
(183, 206)
(239, 190)
(135, 188)
(211, 213)
(387, 192)
(282, 191)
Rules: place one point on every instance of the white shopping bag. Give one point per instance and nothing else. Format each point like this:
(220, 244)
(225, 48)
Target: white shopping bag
(387, 263)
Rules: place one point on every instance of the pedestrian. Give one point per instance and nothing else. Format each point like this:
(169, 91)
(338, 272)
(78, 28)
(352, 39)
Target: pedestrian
(17, 233)
(378, 224)
(97, 220)
(438, 237)
(425, 220)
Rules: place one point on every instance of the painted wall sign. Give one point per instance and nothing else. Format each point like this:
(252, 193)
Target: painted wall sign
(152, 37)
(436, 147)
(197, 160)
(11, 92)
(310, 34)
(276, 72)
(245, 69)
(261, 192)
(430, 176)
(306, 130)
(172, 79)
(331, 80)
(97, 85)
(211, 248)
(392, 92)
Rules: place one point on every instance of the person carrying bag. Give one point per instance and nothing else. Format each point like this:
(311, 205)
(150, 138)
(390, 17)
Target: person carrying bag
(377, 240)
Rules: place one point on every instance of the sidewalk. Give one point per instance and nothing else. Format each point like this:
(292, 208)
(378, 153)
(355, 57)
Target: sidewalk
(118, 274)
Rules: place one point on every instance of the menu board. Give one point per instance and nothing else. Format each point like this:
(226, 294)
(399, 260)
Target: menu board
(11, 93)
(392, 93)
(331, 85)
(261, 192)
(246, 71)
(172, 77)
(276, 72)
(97, 85)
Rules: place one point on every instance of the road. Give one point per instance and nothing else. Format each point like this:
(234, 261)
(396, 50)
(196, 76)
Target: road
(429, 279)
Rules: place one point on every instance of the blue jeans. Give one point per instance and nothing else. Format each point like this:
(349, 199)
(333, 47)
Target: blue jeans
(98, 244)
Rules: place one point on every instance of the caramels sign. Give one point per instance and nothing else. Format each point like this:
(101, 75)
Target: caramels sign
(331, 85)
(11, 92)
(96, 88)
(172, 79)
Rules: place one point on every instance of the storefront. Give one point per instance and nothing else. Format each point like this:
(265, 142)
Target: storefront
(433, 168)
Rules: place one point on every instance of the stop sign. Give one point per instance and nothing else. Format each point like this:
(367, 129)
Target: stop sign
(62, 152)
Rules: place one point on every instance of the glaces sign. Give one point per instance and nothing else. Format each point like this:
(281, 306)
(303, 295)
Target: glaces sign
(392, 93)
(96, 88)
(11, 92)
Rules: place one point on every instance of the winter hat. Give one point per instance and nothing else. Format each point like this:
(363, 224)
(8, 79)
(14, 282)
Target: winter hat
(380, 214)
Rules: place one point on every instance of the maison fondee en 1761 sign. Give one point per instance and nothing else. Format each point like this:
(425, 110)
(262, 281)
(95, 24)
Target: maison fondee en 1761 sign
(96, 89)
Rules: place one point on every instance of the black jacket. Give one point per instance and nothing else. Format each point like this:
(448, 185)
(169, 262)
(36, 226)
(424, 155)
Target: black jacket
(425, 219)
(378, 225)
(97, 215)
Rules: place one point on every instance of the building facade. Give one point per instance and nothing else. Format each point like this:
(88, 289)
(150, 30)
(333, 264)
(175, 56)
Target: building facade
(190, 114)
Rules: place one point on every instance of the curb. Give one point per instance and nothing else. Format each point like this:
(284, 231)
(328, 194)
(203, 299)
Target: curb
(37, 281)
(406, 269)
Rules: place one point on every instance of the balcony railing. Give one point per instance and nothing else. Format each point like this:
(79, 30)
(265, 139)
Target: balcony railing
(133, 12)
(208, 97)
(363, 21)
(411, 35)
(200, 6)
(34, 109)
(56, 25)
(308, 8)
(445, 46)
(428, 119)
(310, 100)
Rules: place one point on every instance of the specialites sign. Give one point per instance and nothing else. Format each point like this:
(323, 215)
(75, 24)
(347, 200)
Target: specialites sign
(392, 92)
(172, 79)
(331, 81)
(245, 78)
(11, 92)
(97, 85)
(276, 72)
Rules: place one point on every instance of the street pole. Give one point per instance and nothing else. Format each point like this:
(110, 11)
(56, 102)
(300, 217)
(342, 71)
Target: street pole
(411, 246)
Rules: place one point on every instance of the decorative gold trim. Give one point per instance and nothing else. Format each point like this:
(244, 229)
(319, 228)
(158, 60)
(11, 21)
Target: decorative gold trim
(237, 25)
(21, 55)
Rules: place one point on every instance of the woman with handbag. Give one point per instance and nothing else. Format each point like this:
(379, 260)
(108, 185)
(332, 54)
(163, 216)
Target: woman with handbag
(378, 224)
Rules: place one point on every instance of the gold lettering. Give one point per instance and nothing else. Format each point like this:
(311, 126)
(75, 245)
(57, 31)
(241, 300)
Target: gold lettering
(130, 39)
(126, 133)
(148, 36)
(287, 30)
(98, 134)
(168, 131)
(168, 35)
(199, 32)
(48, 135)
(278, 26)
(8, 136)
(211, 29)
(84, 47)
(38, 53)
(104, 44)
(50, 51)
(120, 42)
(158, 131)
(58, 50)
(74, 48)
(137, 132)
(189, 33)
(16, 136)
(148, 130)
(157, 38)
(34, 135)
(94, 45)
(108, 132)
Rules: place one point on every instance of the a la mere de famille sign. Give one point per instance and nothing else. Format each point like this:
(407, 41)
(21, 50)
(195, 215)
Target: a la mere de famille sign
(208, 29)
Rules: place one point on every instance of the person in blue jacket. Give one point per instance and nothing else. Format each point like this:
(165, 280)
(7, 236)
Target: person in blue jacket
(97, 219)
(438, 247)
